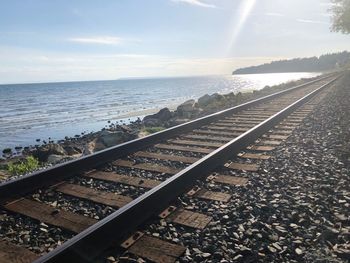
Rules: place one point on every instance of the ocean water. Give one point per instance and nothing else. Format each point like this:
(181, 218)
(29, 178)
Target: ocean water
(32, 111)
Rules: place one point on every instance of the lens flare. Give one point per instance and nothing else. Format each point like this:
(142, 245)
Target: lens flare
(243, 12)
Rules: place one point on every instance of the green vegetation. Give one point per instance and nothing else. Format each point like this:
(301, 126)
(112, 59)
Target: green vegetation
(313, 64)
(150, 130)
(23, 167)
(341, 16)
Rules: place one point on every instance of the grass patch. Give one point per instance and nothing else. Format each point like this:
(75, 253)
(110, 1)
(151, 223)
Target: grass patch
(23, 167)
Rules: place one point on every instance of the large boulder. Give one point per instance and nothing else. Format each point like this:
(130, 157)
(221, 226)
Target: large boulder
(188, 105)
(217, 97)
(44, 151)
(93, 146)
(54, 158)
(188, 109)
(212, 101)
(111, 138)
(216, 102)
(71, 150)
(204, 100)
(157, 119)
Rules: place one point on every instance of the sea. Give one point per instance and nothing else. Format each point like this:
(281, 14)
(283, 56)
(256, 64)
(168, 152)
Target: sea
(54, 110)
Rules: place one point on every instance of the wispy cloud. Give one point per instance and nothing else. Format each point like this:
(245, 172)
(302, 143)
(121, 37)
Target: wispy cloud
(106, 40)
(274, 14)
(196, 3)
(311, 21)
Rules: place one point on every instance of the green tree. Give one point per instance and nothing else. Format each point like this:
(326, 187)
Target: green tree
(341, 16)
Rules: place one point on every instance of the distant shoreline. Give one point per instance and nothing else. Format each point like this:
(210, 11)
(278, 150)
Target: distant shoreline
(322, 64)
(275, 72)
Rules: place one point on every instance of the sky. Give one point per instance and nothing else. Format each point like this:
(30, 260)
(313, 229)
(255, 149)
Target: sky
(72, 40)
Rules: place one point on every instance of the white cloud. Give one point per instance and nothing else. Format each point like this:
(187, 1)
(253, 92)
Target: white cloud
(105, 40)
(195, 2)
(311, 21)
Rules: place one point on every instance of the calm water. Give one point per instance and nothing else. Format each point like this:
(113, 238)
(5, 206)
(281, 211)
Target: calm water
(56, 110)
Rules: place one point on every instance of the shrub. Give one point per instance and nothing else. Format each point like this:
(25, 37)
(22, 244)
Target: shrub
(28, 165)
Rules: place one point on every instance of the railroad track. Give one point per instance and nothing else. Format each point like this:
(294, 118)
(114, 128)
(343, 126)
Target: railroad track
(99, 202)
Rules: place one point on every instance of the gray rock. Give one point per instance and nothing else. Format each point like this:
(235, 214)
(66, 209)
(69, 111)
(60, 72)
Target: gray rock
(72, 150)
(204, 100)
(188, 109)
(215, 100)
(109, 138)
(43, 152)
(54, 158)
(111, 259)
(157, 119)
(298, 251)
(7, 151)
(93, 146)
(206, 255)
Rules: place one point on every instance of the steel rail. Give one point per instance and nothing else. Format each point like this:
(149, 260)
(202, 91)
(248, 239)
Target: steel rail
(111, 230)
(36, 180)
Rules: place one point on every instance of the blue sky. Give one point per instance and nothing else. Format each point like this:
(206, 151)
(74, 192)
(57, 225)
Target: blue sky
(63, 40)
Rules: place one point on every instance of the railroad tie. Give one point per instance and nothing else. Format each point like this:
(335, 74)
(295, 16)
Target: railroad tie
(269, 142)
(282, 132)
(259, 148)
(239, 120)
(276, 136)
(188, 218)
(123, 179)
(196, 143)
(228, 179)
(200, 193)
(235, 129)
(173, 147)
(238, 124)
(155, 249)
(97, 196)
(15, 254)
(247, 118)
(167, 157)
(285, 128)
(257, 156)
(215, 133)
(147, 167)
(50, 215)
(243, 166)
(208, 138)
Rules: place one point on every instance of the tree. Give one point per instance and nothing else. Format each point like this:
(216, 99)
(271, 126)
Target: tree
(341, 16)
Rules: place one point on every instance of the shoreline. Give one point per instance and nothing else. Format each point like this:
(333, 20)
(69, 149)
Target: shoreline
(53, 152)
